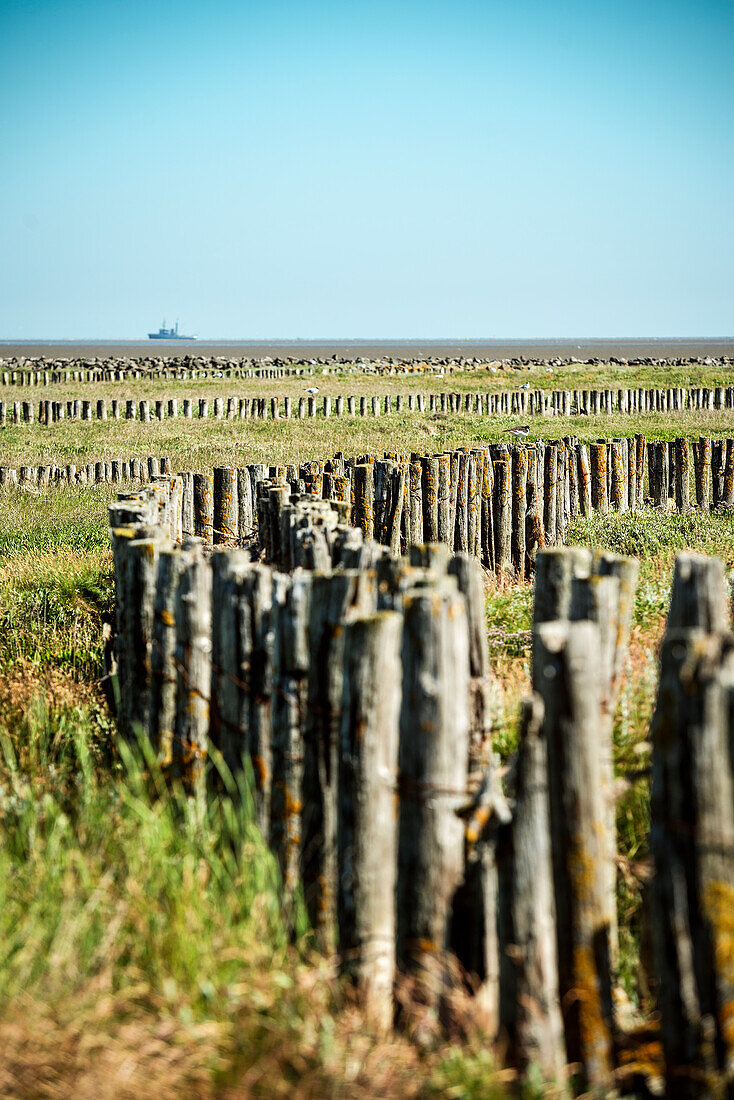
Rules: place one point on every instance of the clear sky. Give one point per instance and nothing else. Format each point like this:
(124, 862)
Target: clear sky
(301, 168)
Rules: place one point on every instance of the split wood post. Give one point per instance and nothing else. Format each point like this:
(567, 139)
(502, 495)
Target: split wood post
(519, 508)
(434, 733)
(187, 504)
(487, 513)
(231, 658)
(599, 495)
(430, 491)
(549, 511)
(136, 602)
(659, 484)
(641, 452)
(245, 515)
(530, 1012)
(175, 508)
(461, 532)
(335, 598)
(193, 619)
(290, 675)
(163, 665)
(204, 507)
(607, 599)
(682, 466)
(502, 510)
(561, 493)
(226, 517)
(473, 530)
(566, 674)
(444, 488)
(702, 469)
(395, 509)
(728, 493)
(692, 838)
(415, 505)
(618, 495)
(367, 829)
(257, 596)
(364, 500)
(584, 478)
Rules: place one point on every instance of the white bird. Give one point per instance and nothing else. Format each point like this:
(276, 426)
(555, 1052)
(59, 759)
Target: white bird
(525, 386)
(312, 389)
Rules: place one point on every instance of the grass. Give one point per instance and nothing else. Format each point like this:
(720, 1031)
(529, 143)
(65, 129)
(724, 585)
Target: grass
(193, 444)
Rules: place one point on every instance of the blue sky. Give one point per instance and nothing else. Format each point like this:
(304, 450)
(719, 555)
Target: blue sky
(366, 169)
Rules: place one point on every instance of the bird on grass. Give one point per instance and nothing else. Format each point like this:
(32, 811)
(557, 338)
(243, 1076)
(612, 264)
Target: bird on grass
(521, 431)
(525, 386)
(312, 390)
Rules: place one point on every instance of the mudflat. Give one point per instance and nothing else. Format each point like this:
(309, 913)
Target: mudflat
(582, 349)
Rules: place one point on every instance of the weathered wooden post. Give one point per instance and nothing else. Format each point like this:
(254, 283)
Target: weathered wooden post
(163, 667)
(204, 507)
(364, 514)
(702, 468)
(599, 495)
(434, 730)
(367, 829)
(193, 619)
(290, 677)
(334, 598)
(530, 1013)
(692, 834)
(502, 509)
(430, 490)
(567, 675)
(226, 509)
(519, 509)
(682, 466)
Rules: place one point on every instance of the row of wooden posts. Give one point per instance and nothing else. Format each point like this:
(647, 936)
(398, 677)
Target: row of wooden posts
(347, 691)
(501, 403)
(499, 503)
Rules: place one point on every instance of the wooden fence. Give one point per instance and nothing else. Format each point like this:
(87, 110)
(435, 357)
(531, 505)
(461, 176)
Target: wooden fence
(508, 402)
(346, 693)
(499, 503)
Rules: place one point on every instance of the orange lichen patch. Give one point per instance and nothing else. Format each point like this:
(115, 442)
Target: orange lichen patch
(260, 769)
(594, 1033)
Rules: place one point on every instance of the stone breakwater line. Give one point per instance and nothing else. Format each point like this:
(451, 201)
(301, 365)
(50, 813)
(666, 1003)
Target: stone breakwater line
(39, 371)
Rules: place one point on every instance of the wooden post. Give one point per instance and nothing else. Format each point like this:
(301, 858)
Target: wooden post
(364, 514)
(599, 495)
(567, 675)
(231, 658)
(519, 508)
(682, 465)
(434, 730)
(367, 829)
(461, 534)
(204, 507)
(163, 667)
(584, 478)
(415, 504)
(430, 491)
(334, 598)
(549, 512)
(193, 662)
(702, 469)
(530, 1014)
(502, 507)
(692, 842)
(290, 674)
(226, 512)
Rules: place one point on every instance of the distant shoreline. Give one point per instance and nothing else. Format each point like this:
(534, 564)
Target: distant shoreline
(658, 348)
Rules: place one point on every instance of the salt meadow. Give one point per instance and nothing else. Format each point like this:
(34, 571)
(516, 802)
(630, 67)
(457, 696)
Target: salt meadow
(144, 936)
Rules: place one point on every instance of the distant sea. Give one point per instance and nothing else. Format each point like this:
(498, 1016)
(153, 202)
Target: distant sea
(581, 348)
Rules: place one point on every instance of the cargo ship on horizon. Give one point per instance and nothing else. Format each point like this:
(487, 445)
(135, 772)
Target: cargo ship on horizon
(164, 333)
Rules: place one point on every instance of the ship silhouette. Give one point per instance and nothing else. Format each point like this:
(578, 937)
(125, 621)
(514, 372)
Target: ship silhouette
(164, 333)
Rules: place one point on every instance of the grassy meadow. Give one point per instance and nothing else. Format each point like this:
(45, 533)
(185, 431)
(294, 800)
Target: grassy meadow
(143, 950)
